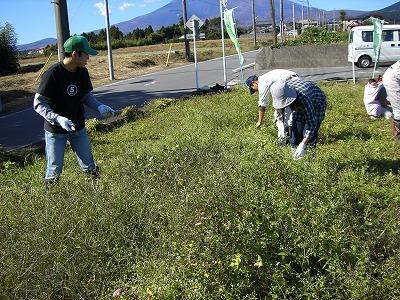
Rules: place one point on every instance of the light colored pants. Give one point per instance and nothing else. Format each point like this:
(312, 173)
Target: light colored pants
(391, 82)
(55, 149)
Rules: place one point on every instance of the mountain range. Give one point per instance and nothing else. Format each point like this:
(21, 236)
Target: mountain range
(37, 45)
(390, 13)
(171, 13)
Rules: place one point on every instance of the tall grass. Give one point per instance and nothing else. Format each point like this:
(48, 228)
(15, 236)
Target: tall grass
(195, 203)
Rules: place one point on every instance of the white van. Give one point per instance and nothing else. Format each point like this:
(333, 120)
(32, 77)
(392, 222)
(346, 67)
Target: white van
(361, 50)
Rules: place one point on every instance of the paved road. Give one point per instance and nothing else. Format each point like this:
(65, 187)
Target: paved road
(26, 127)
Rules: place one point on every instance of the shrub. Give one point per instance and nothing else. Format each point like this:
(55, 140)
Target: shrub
(155, 38)
(49, 49)
(315, 35)
(8, 50)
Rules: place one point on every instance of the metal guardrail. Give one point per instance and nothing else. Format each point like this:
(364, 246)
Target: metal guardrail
(244, 67)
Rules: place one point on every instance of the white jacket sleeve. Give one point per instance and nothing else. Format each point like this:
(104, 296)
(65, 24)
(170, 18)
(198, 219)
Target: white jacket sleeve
(42, 107)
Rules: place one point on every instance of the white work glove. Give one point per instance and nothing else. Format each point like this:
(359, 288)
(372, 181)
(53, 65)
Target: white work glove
(281, 128)
(105, 111)
(65, 123)
(300, 151)
(281, 132)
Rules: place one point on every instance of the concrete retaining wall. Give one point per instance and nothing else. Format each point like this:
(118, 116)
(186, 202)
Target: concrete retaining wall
(303, 56)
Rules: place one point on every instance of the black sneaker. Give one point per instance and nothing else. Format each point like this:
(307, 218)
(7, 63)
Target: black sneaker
(94, 174)
(49, 183)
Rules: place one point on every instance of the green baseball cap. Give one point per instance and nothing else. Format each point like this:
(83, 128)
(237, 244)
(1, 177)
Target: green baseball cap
(78, 43)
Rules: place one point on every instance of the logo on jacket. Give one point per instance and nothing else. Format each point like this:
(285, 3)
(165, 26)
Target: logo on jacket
(72, 90)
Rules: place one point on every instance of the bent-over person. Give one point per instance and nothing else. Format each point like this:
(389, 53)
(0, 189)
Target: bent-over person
(308, 104)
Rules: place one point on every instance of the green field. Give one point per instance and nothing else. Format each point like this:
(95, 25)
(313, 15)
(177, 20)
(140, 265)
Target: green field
(195, 203)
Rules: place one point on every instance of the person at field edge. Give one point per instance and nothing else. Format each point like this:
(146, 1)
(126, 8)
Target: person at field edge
(391, 82)
(308, 104)
(64, 89)
(375, 101)
(262, 85)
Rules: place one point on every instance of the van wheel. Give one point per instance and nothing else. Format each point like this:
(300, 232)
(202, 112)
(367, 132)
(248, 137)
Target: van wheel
(364, 61)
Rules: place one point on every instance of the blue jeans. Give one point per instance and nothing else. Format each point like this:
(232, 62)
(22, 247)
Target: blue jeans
(55, 149)
(297, 134)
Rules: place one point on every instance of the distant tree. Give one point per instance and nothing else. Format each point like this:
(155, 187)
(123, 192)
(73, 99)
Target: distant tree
(155, 38)
(136, 34)
(149, 30)
(49, 49)
(212, 28)
(342, 18)
(91, 37)
(115, 33)
(171, 32)
(140, 33)
(8, 50)
(102, 36)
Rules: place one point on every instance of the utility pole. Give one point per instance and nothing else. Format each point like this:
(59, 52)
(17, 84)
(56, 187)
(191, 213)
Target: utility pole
(334, 20)
(302, 18)
(254, 25)
(109, 45)
(308, 13)
(272, 12)
(62, 25)
(281, 21)
(294, 24)
(184, 16)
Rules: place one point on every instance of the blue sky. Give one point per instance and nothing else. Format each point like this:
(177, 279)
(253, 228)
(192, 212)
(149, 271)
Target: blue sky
(33, 20)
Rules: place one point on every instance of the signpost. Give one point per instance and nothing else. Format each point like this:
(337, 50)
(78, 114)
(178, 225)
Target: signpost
(194, 24)
(223, 3)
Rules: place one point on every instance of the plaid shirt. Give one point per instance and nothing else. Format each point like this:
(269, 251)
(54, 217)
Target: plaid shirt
(313, 101)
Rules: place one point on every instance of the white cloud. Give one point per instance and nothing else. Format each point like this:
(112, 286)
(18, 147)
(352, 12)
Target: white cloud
(102, 8)
(126, 5)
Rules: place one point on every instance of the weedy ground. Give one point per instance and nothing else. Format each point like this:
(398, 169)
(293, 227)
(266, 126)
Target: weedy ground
(195, 203)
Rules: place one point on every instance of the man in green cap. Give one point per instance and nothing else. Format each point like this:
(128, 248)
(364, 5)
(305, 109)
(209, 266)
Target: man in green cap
(60, 99)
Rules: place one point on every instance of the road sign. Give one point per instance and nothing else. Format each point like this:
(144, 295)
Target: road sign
(189, 23)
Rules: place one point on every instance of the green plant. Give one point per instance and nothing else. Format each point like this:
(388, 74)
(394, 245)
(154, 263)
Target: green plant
(195, 203)
(315, 35)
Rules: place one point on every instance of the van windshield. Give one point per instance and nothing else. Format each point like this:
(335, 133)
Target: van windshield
(367, 36)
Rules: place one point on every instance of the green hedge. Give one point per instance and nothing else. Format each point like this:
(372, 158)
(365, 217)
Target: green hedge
(314, 35)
